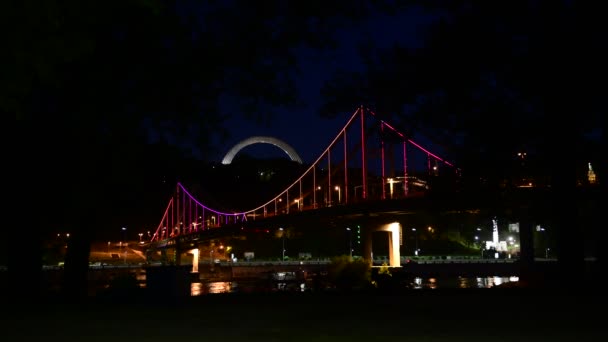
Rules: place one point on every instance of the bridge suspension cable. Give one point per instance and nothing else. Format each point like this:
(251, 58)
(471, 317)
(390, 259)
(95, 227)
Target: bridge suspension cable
(185, 214)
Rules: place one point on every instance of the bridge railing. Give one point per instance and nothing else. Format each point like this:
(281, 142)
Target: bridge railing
(285, 263)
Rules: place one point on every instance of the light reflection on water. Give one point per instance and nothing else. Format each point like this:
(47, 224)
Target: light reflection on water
(199, 288)
(462, 282)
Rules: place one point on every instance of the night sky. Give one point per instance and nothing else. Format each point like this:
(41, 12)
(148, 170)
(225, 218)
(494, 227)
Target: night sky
(304, 129)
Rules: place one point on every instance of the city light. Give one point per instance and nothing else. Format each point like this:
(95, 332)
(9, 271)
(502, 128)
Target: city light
(350, 243)
(337, 188)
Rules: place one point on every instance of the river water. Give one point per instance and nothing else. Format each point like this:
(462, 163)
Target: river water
(202, 288)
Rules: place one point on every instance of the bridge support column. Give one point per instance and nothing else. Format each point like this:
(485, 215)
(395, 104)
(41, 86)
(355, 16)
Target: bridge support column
(177, 257)
(149, 254)
(393, 245)
(393, 229)
(195, 260)
(163, 256)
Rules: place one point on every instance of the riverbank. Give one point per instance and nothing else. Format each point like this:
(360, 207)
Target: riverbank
(429, 315)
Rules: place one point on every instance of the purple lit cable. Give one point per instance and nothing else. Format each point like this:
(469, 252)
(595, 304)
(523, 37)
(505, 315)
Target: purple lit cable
(314, 164)
(411, 141)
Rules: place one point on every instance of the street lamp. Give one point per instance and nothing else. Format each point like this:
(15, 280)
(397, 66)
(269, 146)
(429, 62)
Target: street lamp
(140, 236)
(124, 234)
(282, 243)
(339, 197)
(416, 235)
(356, 188)
(124, 237)
(350, 243)
(544, 240)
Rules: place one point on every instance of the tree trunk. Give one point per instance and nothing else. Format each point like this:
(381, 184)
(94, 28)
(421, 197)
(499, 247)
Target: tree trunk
(570, 245)
(75, 281)
(83, 216)
(600, 231)
(526, 258)
(24, 263)
(23, 235)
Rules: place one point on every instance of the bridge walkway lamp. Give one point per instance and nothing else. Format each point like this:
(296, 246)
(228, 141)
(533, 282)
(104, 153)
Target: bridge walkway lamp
(416, 237)
(357, 188)
(337, 188)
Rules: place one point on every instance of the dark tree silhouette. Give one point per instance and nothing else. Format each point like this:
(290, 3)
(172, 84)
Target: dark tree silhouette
(497, 78)
(91, 83)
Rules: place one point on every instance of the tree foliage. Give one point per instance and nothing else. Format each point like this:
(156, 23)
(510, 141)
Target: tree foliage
(88, 85)
(493, 79)
(349, 274)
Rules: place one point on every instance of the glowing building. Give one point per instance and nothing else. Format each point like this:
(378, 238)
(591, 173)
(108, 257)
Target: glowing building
(590, 174)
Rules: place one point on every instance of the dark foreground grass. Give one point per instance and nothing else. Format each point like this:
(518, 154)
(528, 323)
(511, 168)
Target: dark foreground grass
(429, 315)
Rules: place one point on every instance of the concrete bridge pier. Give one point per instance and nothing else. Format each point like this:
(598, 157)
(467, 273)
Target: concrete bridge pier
(163, 256)
(195, 259)
(177, 256)
(394, 232)
(185, 251)
(149, 254)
